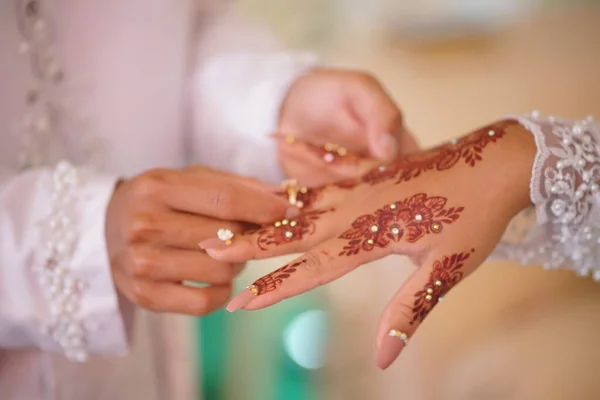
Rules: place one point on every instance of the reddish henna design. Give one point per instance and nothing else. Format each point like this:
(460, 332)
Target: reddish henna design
(445, 274)
(469, 149)
(307, 197)
(411, 218)
(273, 280)
(287, 231)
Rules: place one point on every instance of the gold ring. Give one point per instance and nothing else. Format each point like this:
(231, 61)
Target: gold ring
(399, 334)
(291, 188)
(253, 289)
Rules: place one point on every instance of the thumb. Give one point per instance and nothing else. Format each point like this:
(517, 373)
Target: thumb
(382, 145)
(381, 118)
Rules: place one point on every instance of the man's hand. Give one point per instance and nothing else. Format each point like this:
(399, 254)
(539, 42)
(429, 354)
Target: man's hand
(155, 222)
(347, 108)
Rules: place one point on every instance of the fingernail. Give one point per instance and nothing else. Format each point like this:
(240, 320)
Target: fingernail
(391, 346)
(292, 212)
(387, 147)
(212, 243)
(241, 300)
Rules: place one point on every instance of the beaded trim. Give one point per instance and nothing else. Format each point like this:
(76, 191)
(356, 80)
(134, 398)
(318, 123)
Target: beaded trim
(38, 132)
(62, 291)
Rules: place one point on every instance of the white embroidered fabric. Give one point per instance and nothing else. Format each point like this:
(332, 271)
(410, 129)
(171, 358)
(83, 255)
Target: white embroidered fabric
(566, 196)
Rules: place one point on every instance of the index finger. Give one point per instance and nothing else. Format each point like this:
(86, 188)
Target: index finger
(225, 197)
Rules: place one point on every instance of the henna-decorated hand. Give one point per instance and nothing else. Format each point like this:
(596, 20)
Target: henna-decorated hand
(332, 119)
(445, 208)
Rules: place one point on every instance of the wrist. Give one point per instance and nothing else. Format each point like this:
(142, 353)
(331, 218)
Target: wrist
(518, 150)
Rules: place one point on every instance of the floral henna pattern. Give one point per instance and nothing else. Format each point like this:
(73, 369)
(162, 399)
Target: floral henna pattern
(444, 275)
(411, 218)
(273, 280)
(285, 231)
(307, 197)
(469, 149)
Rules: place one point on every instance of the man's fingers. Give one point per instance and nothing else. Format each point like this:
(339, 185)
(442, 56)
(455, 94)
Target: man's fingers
(306, 168)
(415, 300)
(381, 117)
(407, 142)
(175, 298)
(174, 229)
(171, 265)
(213, 195)
(201, 171)
(332, 161)
(282, 237)
(317, 267)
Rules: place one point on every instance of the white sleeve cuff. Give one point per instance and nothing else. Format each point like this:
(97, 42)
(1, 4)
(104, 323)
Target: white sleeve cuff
(82, 303)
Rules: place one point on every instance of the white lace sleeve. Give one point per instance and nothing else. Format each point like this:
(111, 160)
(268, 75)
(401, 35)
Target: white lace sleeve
(564, 225)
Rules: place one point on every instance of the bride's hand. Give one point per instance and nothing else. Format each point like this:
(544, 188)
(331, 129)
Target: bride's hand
(445, 208)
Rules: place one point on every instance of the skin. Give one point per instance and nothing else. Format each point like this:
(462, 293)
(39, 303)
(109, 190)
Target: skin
(345, 107)
(155, 220)
(450, 207)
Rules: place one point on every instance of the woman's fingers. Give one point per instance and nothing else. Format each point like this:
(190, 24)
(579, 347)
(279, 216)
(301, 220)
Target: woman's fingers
(317, 267)
(282, 237)
(416, 298)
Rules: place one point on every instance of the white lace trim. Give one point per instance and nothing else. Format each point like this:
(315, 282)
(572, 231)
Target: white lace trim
(62, 291)
(565, 192)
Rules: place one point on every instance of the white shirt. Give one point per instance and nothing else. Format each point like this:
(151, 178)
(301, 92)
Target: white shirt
(153, 84)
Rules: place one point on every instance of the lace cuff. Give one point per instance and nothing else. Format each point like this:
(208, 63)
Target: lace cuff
(563, 229)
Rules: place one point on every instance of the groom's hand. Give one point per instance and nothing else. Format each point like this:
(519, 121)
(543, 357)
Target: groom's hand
(347, 108)
(155, 221)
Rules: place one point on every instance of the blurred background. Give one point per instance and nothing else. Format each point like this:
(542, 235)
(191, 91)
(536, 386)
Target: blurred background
(452, 65)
